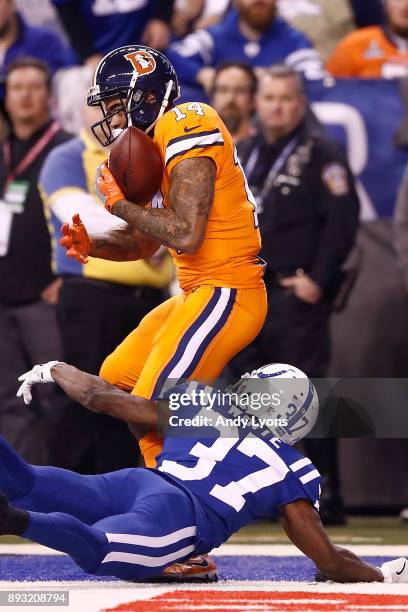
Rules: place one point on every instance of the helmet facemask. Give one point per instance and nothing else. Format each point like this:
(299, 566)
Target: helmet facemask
(141, 108)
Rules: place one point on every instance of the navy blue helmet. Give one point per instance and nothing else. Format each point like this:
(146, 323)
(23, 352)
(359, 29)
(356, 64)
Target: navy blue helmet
(143, 81)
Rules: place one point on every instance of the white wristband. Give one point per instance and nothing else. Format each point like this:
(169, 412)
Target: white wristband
(46, 373)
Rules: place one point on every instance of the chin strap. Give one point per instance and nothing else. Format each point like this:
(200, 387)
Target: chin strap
(129, 103)
(163, 107)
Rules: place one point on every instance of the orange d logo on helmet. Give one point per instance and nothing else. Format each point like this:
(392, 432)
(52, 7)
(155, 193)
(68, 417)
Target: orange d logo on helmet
(142, 61)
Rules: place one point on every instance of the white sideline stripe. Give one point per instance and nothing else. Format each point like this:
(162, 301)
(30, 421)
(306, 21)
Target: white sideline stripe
(152, 541)
(27, 549)
(299, 464)
(96, 596)
(188, 143)
(289, 550)
(201, 334)
(310, 476)
(123, 557)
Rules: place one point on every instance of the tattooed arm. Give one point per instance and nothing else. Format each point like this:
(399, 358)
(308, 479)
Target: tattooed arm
(181, 226)
(123, 244)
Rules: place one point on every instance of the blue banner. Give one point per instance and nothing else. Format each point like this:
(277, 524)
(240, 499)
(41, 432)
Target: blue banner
(365, 116)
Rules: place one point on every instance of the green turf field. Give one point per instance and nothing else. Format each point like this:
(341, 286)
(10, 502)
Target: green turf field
(360, 530)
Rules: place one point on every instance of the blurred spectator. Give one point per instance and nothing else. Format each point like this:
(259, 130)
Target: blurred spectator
(308, 217)
(401, 229)
(95, 27)
(376, 51)
(70, 91)
(324, 23)
(40, 13)
(28, 289)
(368, 13)
(252, 33)
(233, 95)
(401, 249)
(18, 38)
(100, 302)
(196, 14)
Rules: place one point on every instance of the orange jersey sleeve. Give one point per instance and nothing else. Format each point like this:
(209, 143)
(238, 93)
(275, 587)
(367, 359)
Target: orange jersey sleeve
(342, 62)
(366, 53)
(228, 254)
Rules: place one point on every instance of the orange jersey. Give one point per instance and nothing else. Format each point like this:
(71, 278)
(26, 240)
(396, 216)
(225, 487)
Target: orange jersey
(369, 53)
(227, 256)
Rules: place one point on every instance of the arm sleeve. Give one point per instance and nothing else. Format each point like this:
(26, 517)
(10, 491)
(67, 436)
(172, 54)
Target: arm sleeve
(401, 228)
(190, 54)
(340, 206)
(64, 189)
(71, 17)
(303, 56)
(51, 49)
(307, 61)
(204, 137)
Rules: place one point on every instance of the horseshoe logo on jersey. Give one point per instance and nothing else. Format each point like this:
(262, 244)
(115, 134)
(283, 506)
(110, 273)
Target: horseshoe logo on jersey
(142, 61)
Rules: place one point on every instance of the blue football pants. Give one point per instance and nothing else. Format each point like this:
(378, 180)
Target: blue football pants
(131, 523)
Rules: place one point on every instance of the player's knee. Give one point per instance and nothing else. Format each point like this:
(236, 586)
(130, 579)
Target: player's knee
(109, 370)
(117, 373)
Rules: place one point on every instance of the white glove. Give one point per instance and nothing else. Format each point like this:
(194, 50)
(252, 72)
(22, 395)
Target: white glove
(395, 571)
(39, 374)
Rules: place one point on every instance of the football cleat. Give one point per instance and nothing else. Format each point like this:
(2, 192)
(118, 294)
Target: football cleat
(201, 568)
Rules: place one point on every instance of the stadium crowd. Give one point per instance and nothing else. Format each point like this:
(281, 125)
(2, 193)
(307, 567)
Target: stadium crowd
(258, 63)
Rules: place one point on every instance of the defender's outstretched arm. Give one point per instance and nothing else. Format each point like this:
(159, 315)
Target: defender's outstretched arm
(304, 527)
(96, 394)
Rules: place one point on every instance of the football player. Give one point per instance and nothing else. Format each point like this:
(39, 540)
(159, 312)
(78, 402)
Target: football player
(205, 485)
(206, 216)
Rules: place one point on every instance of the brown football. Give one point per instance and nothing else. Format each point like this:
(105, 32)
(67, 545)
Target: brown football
(135, 162)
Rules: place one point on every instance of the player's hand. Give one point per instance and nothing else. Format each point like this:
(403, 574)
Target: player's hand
(39, 374)
(76, 240)
(51, 292)
(303, 287)
(107, 188)
(205, 78)
(156, 34)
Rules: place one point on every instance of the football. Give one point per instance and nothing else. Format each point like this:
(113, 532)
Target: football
(288, 395)
(136, 164)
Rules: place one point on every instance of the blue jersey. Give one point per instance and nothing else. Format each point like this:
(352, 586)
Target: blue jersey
(34, 41)
(225, 42)
(114, 24)
(233, 480)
